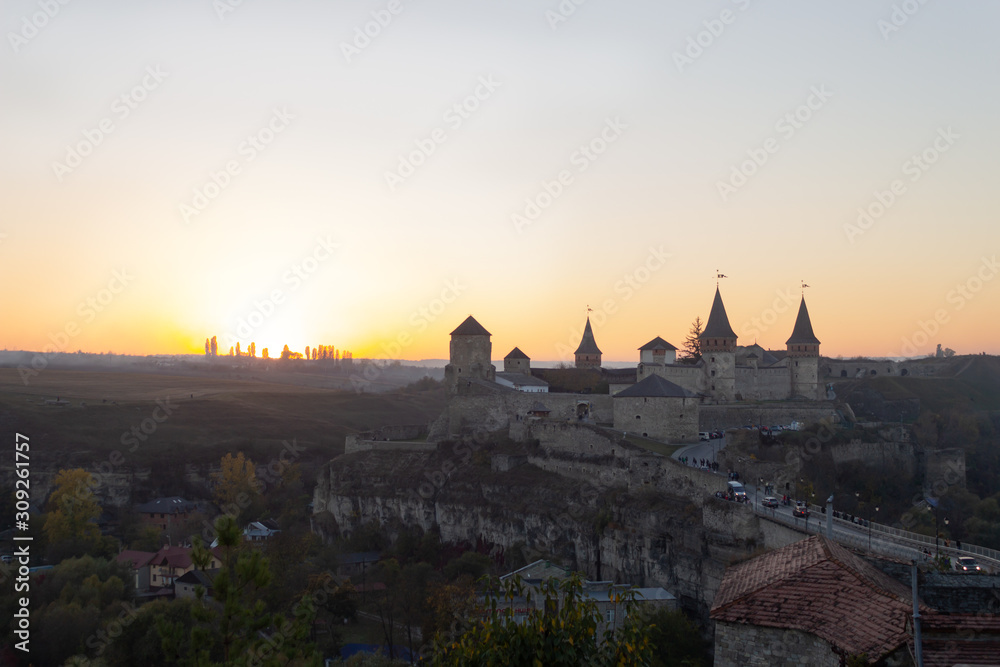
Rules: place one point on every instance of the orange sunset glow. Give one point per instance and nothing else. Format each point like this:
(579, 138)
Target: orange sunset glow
(170, 174)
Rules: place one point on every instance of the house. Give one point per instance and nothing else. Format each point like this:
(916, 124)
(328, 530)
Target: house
(166, 512)
(812, 602)
(169, 563)
(600, 592)
(260, 531)
(356, 563)
(522, 382)
(139, 562)
(657, 408)
(184, 585)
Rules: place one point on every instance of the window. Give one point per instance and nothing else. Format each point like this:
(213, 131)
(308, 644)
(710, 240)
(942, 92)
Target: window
(611, 615)
(713, 373)
(713, 360)
(638, 417)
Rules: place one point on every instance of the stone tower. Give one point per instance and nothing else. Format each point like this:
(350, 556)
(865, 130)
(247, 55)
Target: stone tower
(517, 362)
(718, 352)
(588, 355)
(803, 357)
(471, 350)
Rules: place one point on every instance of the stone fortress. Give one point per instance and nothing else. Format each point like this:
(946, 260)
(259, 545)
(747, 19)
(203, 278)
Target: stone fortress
(661, 398)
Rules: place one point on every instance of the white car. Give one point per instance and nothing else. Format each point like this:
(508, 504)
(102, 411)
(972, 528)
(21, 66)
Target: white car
(703, 435)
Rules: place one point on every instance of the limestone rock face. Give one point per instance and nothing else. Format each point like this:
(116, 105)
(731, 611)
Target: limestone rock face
(625, 530)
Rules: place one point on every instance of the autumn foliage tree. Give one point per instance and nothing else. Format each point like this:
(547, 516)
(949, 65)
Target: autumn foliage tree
(236, 484)
(563, 630)
(72, 512)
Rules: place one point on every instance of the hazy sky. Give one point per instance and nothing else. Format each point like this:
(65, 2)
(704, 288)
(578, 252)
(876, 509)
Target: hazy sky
(358, 173)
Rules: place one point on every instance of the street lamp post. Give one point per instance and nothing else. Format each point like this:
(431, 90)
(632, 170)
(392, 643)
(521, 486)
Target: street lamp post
(870, 528)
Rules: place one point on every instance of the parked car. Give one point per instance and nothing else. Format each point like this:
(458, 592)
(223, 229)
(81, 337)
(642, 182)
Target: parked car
(703, 436)
(801, 509)
(769, 501)
(967, 564)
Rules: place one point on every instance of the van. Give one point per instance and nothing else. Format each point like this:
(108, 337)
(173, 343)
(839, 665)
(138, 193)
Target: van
(737, 491)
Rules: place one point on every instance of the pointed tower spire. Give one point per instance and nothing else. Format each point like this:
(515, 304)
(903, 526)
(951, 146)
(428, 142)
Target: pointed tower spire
(588, 355)
(803, 334)
(718, 321)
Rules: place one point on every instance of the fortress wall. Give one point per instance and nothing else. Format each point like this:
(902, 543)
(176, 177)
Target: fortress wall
(354, 444)
(403, 432)
(763, 383)
(837, 369)
(713, 417)
(898, 456)
(691, 378)
(496, 411)
(669, 419)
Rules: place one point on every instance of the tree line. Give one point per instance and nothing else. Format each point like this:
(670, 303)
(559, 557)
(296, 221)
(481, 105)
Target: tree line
(312, 353)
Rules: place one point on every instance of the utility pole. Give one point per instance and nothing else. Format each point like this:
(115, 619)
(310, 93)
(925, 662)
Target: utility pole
(918, 648)
(829, 519)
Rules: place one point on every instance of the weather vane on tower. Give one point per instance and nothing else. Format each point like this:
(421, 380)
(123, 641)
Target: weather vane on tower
(718, 276)
(804, 286)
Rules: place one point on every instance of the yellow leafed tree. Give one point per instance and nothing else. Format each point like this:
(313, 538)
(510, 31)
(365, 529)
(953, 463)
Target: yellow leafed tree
(72, 508)
(236, 484)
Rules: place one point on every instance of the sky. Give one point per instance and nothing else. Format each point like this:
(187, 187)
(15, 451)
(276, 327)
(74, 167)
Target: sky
(368, 174)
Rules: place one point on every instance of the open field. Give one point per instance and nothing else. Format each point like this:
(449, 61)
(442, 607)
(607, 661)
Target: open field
(168, 421)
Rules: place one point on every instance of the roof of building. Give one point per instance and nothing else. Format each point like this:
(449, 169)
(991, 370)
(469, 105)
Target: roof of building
(540, 569)
(620, 375)
(520, 379)
(517, 354)
(718, 322)
(470, 327)
(177, 556)
(170, 505)
(196, 577)
(657, 344)
(819, 587)
(803, 334)
(960, 639)
(587, 344)
(359, 557)
(655, 386)
(136, 558)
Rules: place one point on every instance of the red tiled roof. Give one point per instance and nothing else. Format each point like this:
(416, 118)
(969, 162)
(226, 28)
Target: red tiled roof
(947, 653)
(136, 558)
(821, 588)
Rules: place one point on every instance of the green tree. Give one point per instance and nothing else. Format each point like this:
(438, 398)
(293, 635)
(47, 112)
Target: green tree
(563, 630)
(692, 344)
(237, 618)
(676, 640)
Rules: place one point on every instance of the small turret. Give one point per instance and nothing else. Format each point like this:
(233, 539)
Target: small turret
(588, 355)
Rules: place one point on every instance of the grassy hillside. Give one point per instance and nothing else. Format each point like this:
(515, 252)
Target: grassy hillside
(209, 417)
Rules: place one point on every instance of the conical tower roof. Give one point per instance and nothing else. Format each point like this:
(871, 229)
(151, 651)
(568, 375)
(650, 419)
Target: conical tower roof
(587, 344)
(718, 322)
(803, 334)
(470, 327)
